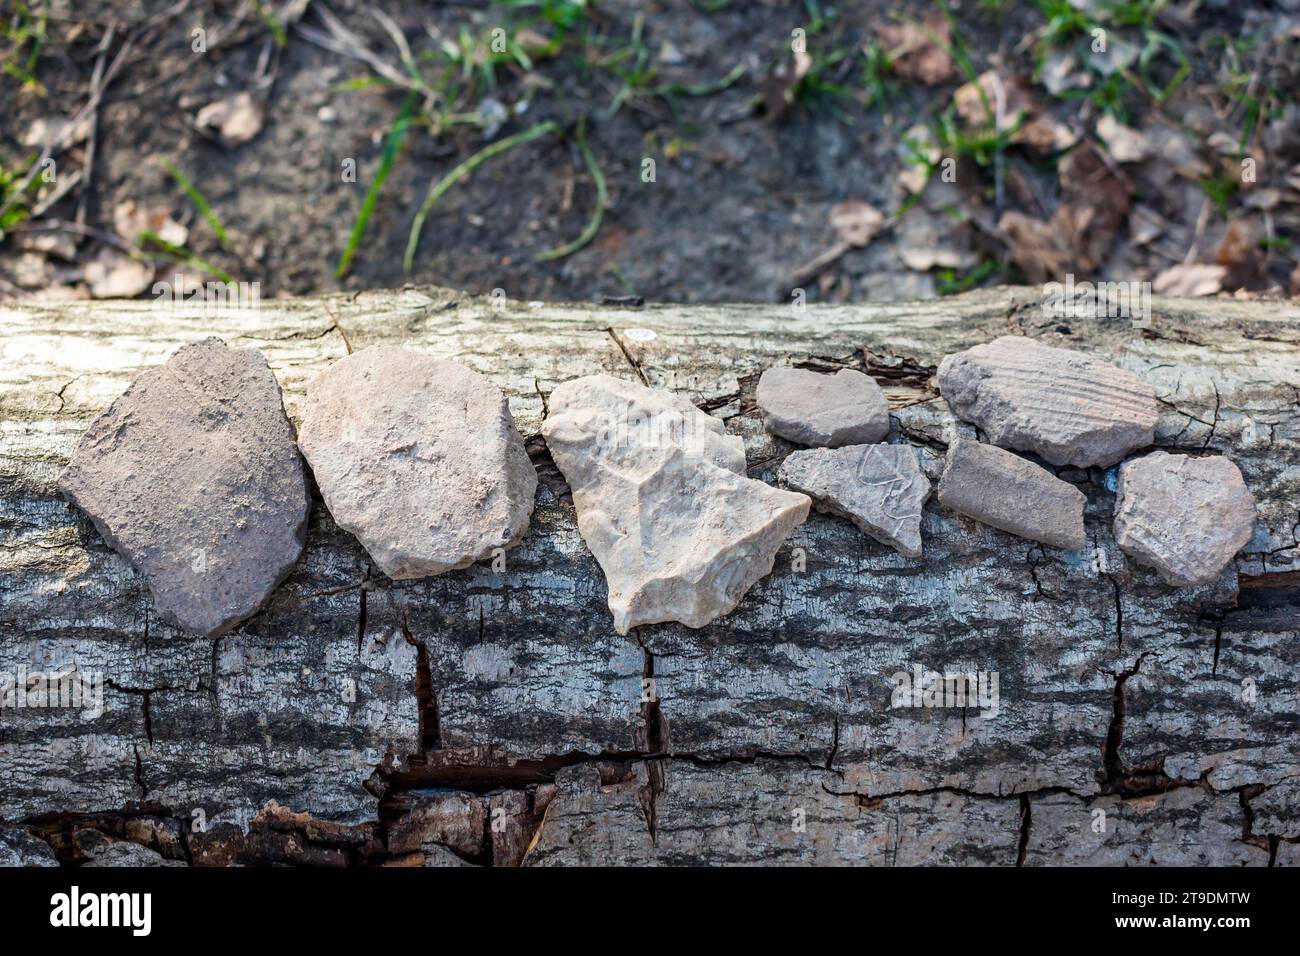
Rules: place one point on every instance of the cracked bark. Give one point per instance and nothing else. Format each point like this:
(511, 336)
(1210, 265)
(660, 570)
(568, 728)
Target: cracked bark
(333, 719)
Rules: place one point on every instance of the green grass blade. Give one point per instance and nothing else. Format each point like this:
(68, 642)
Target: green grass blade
(702, 89)
(272, 22)
(200, 202)
(181, 254)
(396, 137)
(437, 190)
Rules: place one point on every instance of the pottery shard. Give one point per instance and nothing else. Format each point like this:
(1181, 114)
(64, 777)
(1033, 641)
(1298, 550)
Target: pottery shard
(663, 501)
(827, 411)
(880, 488)
(419, 458)
(1186, 517)
(193, 475)
(1004, 490)
(1070, 408)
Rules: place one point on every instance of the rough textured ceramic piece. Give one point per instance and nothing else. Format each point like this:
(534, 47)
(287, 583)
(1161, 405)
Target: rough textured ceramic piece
(193, 475)
(880, 488)
(419, 458)
(827, 411)
(1185, 517)
(663, 501)
(1006, 491)
(1068, 407)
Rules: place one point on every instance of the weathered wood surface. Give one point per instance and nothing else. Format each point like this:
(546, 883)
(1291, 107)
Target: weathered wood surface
(478, 714)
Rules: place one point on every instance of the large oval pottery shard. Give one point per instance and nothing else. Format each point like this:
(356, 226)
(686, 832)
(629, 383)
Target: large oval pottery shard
(1070, 408)
(193, 475)
(663, 501)
(1004, 490)
(419, 458)
(1186, 517)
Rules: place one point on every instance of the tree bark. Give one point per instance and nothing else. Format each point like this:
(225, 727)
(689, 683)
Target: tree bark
(489, 716)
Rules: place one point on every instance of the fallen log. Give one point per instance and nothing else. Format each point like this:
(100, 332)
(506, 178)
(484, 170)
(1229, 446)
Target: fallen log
(493, 715)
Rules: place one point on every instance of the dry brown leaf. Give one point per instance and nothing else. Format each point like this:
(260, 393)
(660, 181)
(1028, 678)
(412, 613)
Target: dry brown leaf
(1080, 228)
(1034, 246)
(1060, 72)
(1239, 245)
(64, 293)
(1080, 236)
(237, 118)
(1240, 253)
(913, 51)
(1045, 135)
(856, 222)
(532, 42)
(917, 140)
(927, 241)
(131, 222)
(1172, 146)
(1011, 102)
(1264, 197)
(1190, 280)
(1224, 143)
(778, 87)
(913, 177)
(115, 276)
(1145, 225)
(31, 271)
(61, 245)
(1126, 144)
(47, 130)
(1098, 206)
(1012, 95)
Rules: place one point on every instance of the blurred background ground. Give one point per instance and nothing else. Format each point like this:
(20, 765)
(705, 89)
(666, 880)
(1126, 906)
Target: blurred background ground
(681, 150)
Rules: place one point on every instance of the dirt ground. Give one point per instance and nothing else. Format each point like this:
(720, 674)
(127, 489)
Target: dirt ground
(854, 150)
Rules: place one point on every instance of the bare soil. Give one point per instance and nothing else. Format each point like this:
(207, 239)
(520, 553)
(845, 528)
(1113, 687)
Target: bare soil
(742, 190)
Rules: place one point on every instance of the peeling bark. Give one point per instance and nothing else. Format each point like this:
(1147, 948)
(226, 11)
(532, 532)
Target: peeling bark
(353, 701)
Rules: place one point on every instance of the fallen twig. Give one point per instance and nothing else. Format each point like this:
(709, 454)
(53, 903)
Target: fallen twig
(339, 39)
(66, 185)
(77, 228)
(92, 138)
(819, 263)
(61, 140)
